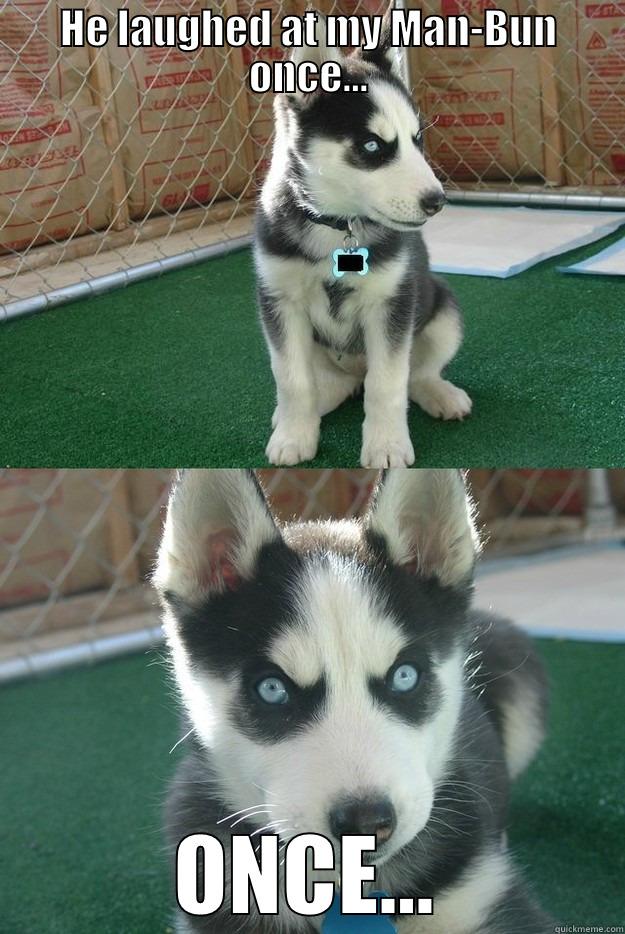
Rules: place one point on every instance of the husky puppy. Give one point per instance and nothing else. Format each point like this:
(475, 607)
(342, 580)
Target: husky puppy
(353, 161)
(337, 681)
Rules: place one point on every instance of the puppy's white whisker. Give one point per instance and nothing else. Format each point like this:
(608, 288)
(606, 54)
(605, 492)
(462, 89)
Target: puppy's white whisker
(181, 740)
(263, 789)
(245, 817)
(269, 826)
(252, 807)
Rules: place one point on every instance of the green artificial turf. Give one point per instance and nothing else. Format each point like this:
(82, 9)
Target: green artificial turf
(85, 758)
(173, 371)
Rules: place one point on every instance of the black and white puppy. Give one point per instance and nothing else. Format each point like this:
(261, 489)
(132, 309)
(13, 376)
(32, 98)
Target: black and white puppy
(337, 681)
(353, 158)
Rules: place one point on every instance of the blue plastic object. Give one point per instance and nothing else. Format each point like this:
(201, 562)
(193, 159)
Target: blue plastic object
(336, 923)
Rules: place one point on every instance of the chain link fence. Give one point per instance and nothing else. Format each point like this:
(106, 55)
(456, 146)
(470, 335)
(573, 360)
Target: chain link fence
(117, 163)
(77, 546)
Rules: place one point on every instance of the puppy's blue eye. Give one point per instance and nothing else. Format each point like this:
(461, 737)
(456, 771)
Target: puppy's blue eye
(272, 691)
(371, 145)
(404, 678)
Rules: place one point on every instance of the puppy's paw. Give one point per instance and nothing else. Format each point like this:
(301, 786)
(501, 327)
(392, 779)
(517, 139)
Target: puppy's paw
(383, 447)
(440, 398)
(293, 441)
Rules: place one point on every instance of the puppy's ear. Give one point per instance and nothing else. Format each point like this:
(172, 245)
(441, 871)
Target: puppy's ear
(318, 54)
(217, 522)
(384, 56)
(426, 520)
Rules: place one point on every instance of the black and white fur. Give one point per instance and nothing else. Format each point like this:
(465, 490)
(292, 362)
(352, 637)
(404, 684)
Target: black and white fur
(395, 328)
(331, 609)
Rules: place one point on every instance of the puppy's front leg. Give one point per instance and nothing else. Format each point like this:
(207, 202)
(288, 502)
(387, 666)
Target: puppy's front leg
(385, 437)
(296, 418)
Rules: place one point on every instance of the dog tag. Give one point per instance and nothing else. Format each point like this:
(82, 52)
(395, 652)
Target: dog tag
(336, 923)
(350, 260)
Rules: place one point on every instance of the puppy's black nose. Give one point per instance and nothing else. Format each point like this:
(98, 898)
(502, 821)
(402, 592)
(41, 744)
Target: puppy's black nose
(432, 202)
(363, 816)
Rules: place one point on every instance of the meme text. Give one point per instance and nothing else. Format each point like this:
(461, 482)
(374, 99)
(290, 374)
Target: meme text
(408, 28)
(202, 869)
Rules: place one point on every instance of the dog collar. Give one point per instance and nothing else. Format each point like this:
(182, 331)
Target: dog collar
(327, 220)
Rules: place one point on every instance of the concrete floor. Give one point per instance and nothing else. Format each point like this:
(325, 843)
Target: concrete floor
(575, 593)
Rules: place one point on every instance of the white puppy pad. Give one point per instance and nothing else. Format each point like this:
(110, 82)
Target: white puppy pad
(503, 241)
(571, 593)
(609, 262)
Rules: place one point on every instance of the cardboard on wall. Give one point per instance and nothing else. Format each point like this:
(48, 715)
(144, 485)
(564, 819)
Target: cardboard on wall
(260, 106)
(55, 177)
(486, 101)
(46, 522)
(64, 533)
(147, 494)
(590, 69)
(293, 493)
(182, 118)
(558, 492)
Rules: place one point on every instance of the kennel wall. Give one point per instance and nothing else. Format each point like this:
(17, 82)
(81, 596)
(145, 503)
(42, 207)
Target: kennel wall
(77, 546)
(116, 164)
